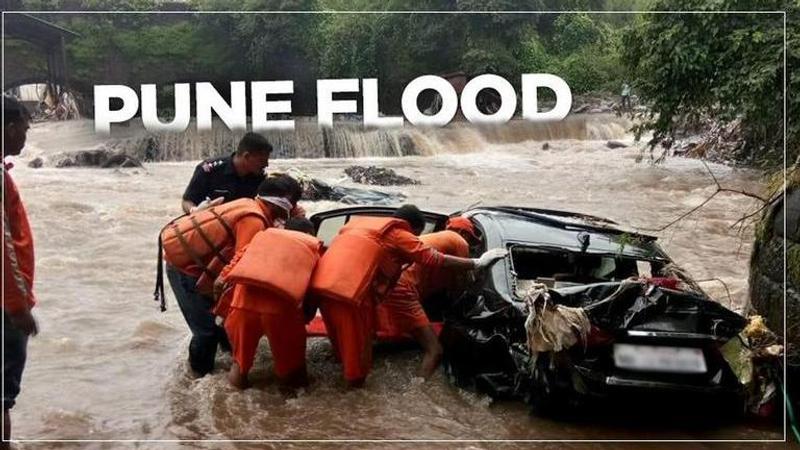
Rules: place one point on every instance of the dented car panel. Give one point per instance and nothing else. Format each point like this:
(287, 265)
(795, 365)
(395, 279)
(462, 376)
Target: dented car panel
(676, 335)
(645, 339)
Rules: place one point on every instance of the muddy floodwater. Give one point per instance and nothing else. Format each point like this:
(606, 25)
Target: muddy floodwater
(108, 365)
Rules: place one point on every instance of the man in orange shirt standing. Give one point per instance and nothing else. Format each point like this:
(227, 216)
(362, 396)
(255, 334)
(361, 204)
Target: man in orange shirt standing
(18, 298)
(401, 313)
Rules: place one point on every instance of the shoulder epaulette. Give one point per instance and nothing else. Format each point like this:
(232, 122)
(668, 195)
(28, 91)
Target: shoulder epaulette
(208, 166)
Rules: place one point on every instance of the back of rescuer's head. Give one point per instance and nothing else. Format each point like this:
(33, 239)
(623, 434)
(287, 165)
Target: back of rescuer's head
(300, 224)
(413, 216)
(277, 192)
(15, 125)
(297, 189)
(280, 186)
(464, 227)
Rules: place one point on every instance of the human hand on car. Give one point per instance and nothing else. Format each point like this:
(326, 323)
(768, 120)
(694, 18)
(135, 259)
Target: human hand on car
(490, 257)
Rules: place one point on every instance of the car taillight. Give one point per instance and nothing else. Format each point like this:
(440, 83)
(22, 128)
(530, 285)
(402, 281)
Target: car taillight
(597, 337)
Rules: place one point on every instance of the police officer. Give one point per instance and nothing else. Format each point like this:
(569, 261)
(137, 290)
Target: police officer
(232, 177)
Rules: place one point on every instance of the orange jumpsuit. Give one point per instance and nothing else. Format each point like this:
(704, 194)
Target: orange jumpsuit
(351, 326)
(401, 312)
(18, 261)
(254, 312)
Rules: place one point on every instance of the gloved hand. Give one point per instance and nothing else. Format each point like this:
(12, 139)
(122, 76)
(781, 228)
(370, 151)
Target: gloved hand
(490, 257)
(207, 203)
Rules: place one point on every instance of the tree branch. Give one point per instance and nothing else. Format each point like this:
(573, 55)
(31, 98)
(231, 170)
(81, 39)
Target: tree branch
(725, 285)
(682, 216)
(743, 219)
(719, 189)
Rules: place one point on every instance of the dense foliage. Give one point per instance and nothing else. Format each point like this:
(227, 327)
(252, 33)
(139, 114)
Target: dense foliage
(724, 66)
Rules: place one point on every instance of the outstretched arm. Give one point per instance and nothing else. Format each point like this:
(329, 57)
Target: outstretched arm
(485, 261)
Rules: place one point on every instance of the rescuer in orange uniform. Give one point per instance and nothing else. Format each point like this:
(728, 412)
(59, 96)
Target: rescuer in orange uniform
(197, 246)
(401, 313)
(269, 278)
(362, 264)
(18, 298)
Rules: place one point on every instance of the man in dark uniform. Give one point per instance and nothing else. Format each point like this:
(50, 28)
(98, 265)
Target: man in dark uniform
(216, 181)
(232, 177)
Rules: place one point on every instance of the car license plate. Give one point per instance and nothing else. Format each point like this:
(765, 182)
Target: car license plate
(659, 359)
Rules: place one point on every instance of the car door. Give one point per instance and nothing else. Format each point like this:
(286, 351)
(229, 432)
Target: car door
(328, 223)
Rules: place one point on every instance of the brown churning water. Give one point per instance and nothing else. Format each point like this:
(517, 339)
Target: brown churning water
(108, 365)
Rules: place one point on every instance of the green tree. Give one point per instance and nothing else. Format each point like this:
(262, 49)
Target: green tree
(575, 31)
(533, 56)
(722, 66)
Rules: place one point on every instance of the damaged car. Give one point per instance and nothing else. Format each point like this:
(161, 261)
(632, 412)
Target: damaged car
(580, 310)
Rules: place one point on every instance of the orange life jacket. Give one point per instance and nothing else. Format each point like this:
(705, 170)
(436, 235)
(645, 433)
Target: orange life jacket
(279, 261)
(358, 264)
(203, 242)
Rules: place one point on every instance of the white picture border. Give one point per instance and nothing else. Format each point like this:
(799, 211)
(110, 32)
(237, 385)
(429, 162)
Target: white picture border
(403, 441)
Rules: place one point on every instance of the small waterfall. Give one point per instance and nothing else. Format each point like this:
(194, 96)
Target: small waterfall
(351, 140)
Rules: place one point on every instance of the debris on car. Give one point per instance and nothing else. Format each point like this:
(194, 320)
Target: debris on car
(582, 311)
(551, 327)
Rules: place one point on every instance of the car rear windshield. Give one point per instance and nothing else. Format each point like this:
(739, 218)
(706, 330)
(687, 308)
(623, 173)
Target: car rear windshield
(559, 268)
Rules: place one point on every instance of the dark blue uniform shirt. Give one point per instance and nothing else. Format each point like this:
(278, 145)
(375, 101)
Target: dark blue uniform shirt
(216, 177)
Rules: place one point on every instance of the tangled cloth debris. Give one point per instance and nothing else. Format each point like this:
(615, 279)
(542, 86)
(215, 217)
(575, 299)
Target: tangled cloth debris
(762, 340)
(551, 327)
(687, 283)
(754, 356)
